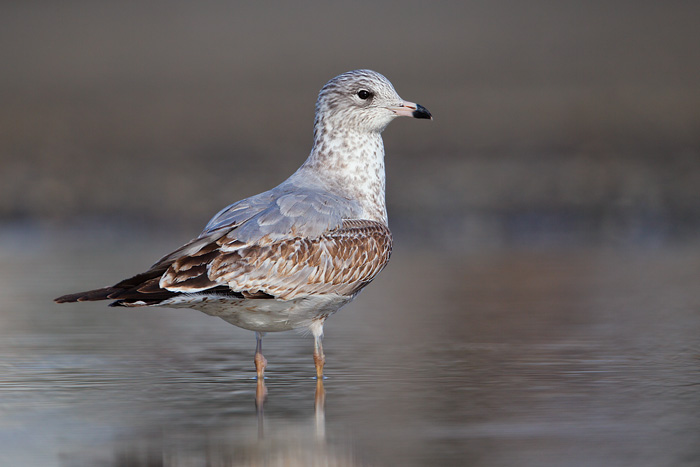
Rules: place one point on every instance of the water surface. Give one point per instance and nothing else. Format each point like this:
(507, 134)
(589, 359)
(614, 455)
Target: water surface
(507, 357)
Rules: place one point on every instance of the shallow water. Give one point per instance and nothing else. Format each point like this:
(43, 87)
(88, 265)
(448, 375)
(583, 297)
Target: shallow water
(506, 357)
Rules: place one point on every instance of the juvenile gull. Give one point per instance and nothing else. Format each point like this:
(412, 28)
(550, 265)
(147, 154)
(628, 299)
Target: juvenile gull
(290, 257)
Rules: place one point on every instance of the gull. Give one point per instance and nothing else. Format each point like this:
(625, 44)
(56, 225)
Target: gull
(292, 256)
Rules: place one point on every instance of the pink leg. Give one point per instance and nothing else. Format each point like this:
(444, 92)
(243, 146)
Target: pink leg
(260, 361)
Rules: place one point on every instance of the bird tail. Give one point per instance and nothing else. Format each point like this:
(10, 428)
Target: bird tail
(104, 293)
(140, 290)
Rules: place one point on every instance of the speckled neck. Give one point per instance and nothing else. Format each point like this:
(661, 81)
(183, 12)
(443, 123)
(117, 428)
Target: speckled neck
(349, 163)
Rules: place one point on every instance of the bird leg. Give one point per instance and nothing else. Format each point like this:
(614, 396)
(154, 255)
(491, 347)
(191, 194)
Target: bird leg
(260, 361)
(319, 360)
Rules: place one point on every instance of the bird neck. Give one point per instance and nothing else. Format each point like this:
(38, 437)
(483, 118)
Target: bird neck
(350, 164)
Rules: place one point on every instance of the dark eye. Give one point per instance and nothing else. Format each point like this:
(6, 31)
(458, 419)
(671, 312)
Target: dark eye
(364, 94)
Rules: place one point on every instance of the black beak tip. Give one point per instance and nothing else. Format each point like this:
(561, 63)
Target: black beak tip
(422, 112)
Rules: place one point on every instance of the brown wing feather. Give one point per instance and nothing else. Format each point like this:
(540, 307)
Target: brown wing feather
(341, 261)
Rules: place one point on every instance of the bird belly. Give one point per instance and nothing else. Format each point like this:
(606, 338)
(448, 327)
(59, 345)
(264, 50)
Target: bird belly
(263, 315)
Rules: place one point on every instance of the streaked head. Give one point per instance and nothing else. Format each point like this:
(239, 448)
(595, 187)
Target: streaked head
(363, 99)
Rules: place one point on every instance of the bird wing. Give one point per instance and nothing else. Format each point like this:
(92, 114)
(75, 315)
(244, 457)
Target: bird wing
(284, 243)
(341, 261)
(286, 210)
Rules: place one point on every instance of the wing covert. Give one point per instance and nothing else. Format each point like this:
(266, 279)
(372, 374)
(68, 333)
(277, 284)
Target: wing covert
(341, 261)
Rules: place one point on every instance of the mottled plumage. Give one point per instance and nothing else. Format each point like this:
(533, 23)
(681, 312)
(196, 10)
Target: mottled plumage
(291, 256)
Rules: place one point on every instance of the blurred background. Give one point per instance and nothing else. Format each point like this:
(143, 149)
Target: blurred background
(574, 121)
(541, 305)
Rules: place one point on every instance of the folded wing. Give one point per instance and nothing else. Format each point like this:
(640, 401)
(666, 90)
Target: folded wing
(341, 261)
(281, 244)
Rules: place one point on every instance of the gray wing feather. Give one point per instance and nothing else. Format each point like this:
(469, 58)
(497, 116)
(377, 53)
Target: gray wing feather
(287, 210)
(239, 212)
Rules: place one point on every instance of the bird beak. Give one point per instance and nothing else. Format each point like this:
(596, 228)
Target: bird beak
(411, 109)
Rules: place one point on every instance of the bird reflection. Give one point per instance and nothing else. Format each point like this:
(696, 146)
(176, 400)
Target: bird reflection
(260, 396)
(287, 442)
(319, 408)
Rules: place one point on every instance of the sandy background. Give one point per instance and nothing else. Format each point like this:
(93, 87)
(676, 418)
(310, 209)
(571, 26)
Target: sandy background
(553, 121)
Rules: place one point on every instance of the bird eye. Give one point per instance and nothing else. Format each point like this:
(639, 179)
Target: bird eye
(364, 94)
